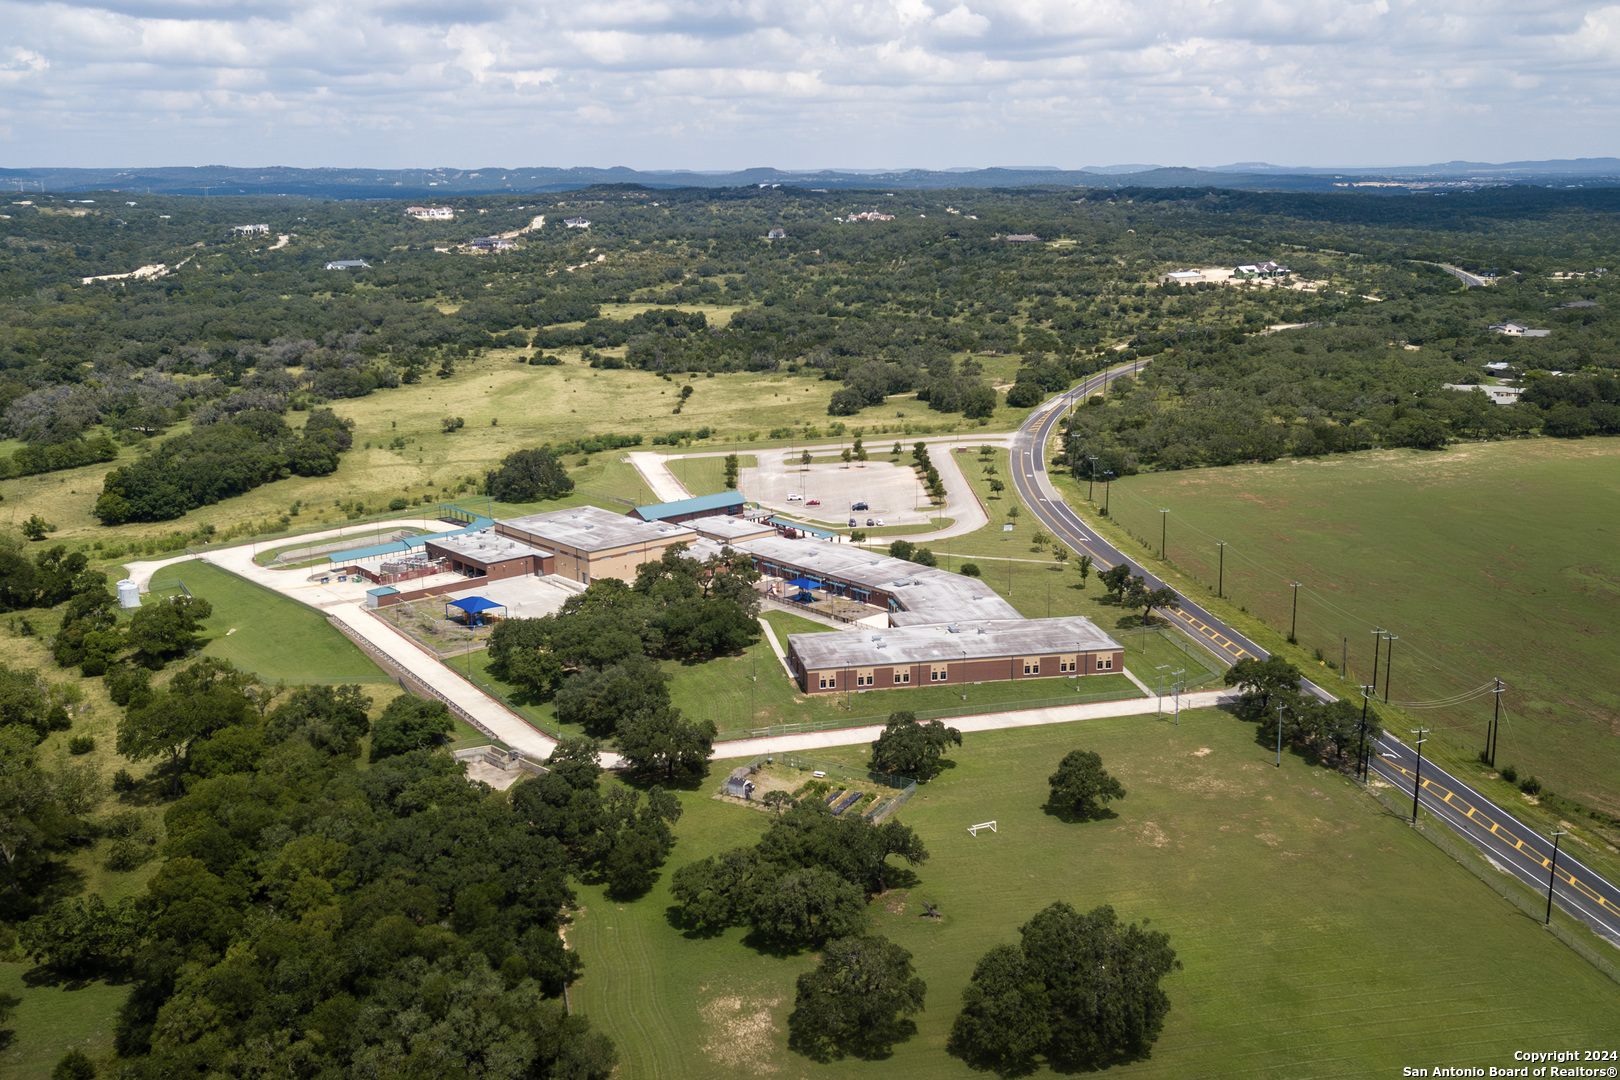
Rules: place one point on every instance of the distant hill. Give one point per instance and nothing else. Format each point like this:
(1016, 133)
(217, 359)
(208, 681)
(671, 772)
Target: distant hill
(430, 183)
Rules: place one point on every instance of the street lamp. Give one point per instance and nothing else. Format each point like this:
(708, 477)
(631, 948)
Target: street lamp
(1553, 873)
(1279, 735)
(1417, 778)
(1178, 675)
(1158, 708)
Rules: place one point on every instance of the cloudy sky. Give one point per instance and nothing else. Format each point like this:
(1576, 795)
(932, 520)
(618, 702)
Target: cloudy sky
(720, 84)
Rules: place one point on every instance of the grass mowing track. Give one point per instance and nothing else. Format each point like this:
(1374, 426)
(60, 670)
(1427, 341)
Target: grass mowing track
(707, 475)
(1488, 559)
(1320, 936)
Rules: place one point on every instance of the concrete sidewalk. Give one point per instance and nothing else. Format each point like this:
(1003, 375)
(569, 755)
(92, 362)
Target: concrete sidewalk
(445, 684)
(654, 468)
(1064, 714)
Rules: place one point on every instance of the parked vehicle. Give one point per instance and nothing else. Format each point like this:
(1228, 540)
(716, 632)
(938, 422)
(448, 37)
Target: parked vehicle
(859, 506)
(880, 523)
(853, 523)
(813, 502)
(794, 496)
(870, 523)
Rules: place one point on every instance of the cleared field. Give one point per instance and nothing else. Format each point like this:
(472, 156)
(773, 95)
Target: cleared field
(707, 475)
(53, 1019)
(1486, 560)
(270, 635)
(1320, 936)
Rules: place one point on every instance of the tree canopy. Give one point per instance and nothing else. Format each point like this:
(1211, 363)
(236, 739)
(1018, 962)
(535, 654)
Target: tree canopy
(912, 749)
(1081, 787)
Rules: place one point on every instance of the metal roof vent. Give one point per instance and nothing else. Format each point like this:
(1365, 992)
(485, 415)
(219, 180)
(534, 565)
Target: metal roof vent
(882, 645)
(953, 629)
(981, 630)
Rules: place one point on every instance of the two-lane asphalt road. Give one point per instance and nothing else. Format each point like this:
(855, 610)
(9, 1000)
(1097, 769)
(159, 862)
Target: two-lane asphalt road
(1506, 841)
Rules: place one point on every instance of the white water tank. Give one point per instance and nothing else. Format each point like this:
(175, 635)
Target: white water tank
(129, 594)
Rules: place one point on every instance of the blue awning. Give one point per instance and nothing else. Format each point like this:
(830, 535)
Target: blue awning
(472, 605)
(805, 583)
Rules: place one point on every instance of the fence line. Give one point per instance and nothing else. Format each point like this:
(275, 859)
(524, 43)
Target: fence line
(1508, 888)
(906, 786)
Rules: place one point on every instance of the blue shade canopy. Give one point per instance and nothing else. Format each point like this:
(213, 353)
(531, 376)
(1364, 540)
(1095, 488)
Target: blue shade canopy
(472, 605)
(805, 583)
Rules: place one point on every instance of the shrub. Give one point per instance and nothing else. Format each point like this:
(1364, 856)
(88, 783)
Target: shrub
(1510, 774)
(399, 502)
(1530, 785)
(81, 744)
(124, 781)
(74, 1065)
(971, 569)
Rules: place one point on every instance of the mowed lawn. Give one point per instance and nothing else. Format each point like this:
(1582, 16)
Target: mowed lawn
(707, 475)
(1320, 936)
(1498, 559)
(268, 634)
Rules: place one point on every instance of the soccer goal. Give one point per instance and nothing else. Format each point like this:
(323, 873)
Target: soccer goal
(974, 829)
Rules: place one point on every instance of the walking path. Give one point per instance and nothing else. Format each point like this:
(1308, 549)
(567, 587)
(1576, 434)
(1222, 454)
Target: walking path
(654, 469)
(770, 637)
(1062, 714)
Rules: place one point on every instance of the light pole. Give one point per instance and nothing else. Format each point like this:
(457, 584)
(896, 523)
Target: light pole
(1220, 576)
(1417, 778)
(1178, 675)
(1158, 709)
(1164, 526)
(1552, 874)
(1279, 735)
(1389, 655)
(1293, 638)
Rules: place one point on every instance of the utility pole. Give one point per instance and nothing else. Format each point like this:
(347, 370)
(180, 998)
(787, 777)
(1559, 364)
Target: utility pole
(1417, 778)
(1091, 485)
(1389, 655)
(1164, 519)
(1178, 675)
(1220, 576)
(1279, 735)
(1362, 760)
(1158, 709)
(1378, 640)
(1108, 487)
(1344, 655)
(1496, 725)
(1293, 638)
(1552, 875)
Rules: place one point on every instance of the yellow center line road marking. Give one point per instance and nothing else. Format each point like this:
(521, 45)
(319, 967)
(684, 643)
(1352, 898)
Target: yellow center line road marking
(1497, 830)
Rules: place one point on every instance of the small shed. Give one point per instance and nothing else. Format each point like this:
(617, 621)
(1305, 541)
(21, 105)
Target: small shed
(472, 610)
(738, 785)
(374, 597)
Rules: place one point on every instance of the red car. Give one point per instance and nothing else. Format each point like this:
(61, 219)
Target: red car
(813, 502)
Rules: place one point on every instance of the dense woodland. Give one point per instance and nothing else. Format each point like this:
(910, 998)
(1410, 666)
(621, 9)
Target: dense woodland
(239, 325)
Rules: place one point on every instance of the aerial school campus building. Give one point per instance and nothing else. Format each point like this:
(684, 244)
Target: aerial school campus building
(910, 625)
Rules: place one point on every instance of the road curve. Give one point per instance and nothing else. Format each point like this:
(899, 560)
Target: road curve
(1508, 842)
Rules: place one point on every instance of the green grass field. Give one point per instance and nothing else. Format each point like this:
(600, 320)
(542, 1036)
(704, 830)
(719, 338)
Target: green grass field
(1486, 560)
(707, 475)
(268, 634)
(1321, 936)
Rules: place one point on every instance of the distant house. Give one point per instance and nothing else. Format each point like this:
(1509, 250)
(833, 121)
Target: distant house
(246, 230)
(577, 222)
(1184, 277)
(776, 234)
(1513, 329)
(492, 243)
(1498, 365)
(870, 215)
(348, 264)
(431, 213)
(1261, 270)
(1500, 395)
(1021, 238)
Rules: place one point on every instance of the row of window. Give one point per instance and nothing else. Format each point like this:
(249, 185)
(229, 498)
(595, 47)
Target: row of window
(941, 672)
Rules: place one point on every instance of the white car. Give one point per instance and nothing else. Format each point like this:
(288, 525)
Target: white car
(795, 498)
(880, 523)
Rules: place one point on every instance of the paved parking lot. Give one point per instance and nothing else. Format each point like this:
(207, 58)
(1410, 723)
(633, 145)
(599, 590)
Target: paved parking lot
(890, 491)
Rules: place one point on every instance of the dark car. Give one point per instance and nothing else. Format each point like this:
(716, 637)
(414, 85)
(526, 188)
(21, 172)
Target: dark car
(870, 523)
(859, 506)
(853, 523)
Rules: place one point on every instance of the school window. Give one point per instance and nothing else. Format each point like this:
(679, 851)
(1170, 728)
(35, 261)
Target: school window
(864, 678)
(1105, 663)
(1032, 667)
(1067, 664)
(938, 673)
(902, 677)
(829, 682)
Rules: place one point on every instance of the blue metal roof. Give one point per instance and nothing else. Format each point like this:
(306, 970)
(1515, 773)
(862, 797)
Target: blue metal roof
(659, 511)
(356, 554)
(472, 605)
(382, 590)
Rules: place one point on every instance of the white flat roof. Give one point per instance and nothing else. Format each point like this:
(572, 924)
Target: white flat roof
(979, 640)
(590, 528)
(487, 546)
